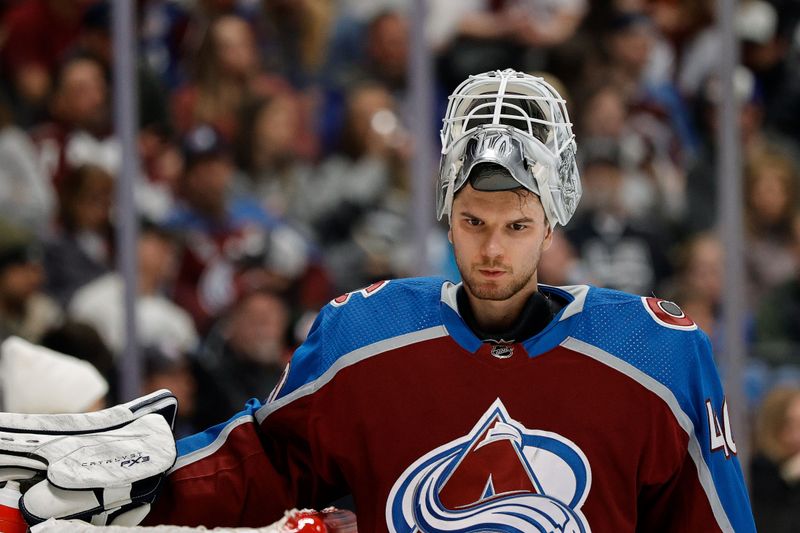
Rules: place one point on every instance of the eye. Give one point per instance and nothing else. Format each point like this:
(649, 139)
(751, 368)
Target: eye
(473, 221)
(518, 227)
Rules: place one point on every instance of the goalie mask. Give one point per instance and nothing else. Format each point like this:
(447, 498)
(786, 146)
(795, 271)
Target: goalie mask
(517, 121)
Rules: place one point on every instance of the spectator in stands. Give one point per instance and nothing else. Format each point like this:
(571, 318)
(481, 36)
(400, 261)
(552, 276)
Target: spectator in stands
(83, 342)
(167, 367)
(367, 170)
(162, 164)
(95, 40)
(83, 247)
(201, 15)
(775, 468)
(697, 283)
(171, 33)
(244, 354)
(481, 35)
(153, 195)
(617, 251)
(272, 169)
(657, 111)
(680, 21)
(38, 34)
(80, 131)
(654, 183)
(220, 229)
(294, 36)
(700, 53)
(163, 40)
(604, 112)
(771, 213)
(630, 40)
(701, 190)
(26, 194)
(100, 303)
(24, 310)
(778, 316)
(228, 74)
(362, 11)
(765, 31)
(561, 264)
(380, 54)
(386, 50)
(379, 248)
(766, 39)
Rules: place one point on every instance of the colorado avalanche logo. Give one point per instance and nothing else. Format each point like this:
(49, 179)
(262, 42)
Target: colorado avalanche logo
(500, 477)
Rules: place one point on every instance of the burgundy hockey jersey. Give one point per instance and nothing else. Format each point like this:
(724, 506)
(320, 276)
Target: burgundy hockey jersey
(612, 418)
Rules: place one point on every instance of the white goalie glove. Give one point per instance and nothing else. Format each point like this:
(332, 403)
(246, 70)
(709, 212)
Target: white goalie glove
(104, 467)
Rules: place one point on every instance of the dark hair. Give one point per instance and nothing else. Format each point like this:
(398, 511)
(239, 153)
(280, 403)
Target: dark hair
(97, 17)
(600, 151)
(82, 341)
(773, 158)
(350, 143)
(491, 170)
(18, 246)
(151, 227)
(71, 188)
(246, 136)
(485, 170)
(202, 143)
(6, 117)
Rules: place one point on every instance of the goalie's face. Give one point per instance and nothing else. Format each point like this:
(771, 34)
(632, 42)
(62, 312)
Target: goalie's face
(498, 238)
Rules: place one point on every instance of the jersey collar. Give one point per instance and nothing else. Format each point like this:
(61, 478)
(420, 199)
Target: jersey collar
(545, 340)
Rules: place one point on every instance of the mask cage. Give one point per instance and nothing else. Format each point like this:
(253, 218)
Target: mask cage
(525, 102)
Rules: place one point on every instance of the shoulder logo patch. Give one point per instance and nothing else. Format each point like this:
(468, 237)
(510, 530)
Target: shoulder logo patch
(668, 314)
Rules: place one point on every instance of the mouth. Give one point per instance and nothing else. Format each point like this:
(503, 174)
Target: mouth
(491, 273)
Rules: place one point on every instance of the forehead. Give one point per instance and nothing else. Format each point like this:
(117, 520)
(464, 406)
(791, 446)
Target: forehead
(80, 71)
(514, 204)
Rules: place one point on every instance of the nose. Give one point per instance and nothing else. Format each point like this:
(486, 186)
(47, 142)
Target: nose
(493, 247)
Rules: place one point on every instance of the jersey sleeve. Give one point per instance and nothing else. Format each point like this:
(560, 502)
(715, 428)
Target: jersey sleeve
(288, 452)
(718, 464)
(700, 486)
(248, 470)
(706, 473)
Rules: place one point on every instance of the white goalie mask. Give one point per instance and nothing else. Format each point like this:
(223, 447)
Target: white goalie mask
(517, 121)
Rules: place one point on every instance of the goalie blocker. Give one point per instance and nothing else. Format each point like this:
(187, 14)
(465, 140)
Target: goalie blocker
(104, 467)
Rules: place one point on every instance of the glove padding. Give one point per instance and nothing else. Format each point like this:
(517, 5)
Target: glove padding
(104, 467)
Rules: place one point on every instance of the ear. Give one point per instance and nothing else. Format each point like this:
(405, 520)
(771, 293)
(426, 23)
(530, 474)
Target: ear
(450, 234)
(548, 237)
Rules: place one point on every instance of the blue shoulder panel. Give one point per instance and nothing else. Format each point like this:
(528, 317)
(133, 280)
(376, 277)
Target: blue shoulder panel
(203, 439)
(681, 360)
(362, 318)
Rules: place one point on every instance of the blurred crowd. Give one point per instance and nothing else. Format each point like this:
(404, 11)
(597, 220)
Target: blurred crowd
(275, 152)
